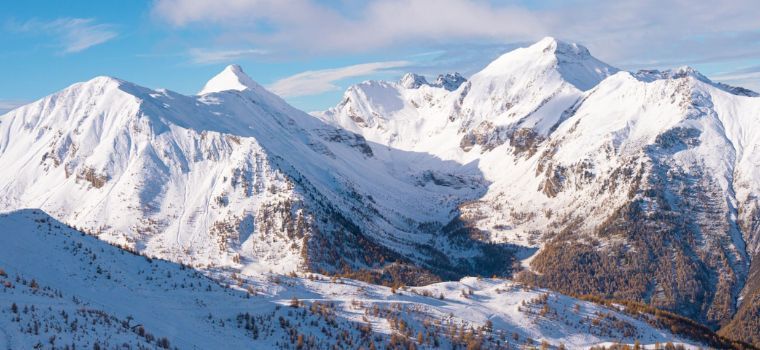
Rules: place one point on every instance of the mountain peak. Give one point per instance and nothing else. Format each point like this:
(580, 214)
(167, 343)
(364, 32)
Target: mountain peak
(560, 48)
(103, 81)
(650, 75)
(412, 81)
(450, 81)
(231, 78)
(572, 61)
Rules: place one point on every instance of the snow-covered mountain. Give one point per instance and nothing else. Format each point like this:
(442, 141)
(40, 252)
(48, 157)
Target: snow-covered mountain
(100, 294)
(519, 95)
(632, 185)
(235, 177)
(594, 181)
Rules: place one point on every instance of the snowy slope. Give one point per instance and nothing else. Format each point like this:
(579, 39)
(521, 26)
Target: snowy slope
(585, 161)
(99, 293)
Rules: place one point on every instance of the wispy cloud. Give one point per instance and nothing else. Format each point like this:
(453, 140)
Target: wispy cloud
(744, 70)
(320, 81)
(748, 77)
(72, 34)
(737, 76)
(208, 56)
(8, 105)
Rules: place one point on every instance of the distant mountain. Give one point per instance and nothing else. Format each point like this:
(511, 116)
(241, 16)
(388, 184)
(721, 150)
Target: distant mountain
(637, 186)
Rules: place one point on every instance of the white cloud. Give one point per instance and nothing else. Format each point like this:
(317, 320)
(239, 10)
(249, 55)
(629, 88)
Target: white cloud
(7, 105)
(206, 56)
(182, 12)
(73, 34)
(319, 81)
(618, 31)
(310, 24)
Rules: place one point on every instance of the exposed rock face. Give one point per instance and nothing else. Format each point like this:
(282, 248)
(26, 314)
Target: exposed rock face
(449, 81)
(485, 135)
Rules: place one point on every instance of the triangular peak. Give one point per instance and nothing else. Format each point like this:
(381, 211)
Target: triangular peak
(231, 78)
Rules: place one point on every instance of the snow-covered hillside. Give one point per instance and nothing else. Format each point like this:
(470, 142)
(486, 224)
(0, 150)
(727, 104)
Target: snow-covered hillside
(63, 288)
(655, 172)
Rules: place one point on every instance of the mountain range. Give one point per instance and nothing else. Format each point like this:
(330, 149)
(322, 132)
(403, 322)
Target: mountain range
(548, 167)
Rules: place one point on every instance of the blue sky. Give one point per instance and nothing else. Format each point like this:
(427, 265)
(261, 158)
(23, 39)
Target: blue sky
(309, 51)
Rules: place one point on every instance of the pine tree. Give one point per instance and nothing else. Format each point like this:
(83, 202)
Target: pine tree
(163, 343)
(488, 326)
